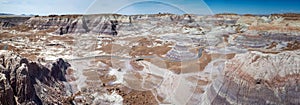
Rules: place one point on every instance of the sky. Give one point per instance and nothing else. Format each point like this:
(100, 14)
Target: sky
(46, 7)
(254, 6)
(130, 7)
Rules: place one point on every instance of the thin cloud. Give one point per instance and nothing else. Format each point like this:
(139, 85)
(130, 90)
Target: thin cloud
(189, 6)
(46, 7)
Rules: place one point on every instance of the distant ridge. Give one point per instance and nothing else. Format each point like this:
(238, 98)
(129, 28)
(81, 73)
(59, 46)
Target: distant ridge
(6, 14)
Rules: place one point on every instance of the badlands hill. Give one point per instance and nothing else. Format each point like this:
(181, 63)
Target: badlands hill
(150, 59)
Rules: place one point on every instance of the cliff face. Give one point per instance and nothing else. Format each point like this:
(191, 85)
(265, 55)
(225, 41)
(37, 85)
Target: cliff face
(102, 24)
(8, 22)
(50, 22)
(114, 24)
(109, 24)
(256, 78)
(26, 82)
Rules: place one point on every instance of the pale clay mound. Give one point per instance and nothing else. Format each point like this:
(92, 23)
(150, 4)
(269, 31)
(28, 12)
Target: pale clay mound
(257, 78)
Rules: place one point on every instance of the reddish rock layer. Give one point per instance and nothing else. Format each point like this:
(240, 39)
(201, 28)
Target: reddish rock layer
(258, 79)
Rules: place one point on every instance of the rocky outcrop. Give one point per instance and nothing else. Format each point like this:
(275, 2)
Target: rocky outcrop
(258, 79)
(180, 52)
(8, 22)
(27, 82)
(7, 95)
(66, 22)
(109, 24)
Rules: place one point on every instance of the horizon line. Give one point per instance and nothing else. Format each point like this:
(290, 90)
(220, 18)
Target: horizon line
(225, 13)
